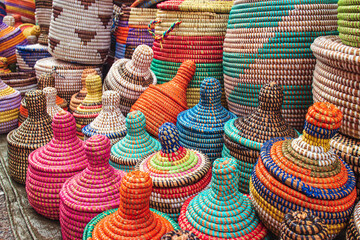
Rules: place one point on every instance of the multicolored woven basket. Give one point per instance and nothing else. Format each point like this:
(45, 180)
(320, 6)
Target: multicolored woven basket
(43, 18)
(245, 136)
(353, 230)
(162, 103)
(2, 10)
(190, 30)
(91, 192)
(270, 41)
(91, 106)
(135, 146)
(133, 219)
(9, 108)
(349, 22)
(130, 78)
(179, 234)
(21, 81)
(202, 127)
(131, 29)
(110, 121)
(24, 8)
(85, 40)
(336, 80)
(51, 107)
(222, 212)
(304, 174)
(34, 133)
(27, 56)
(50, 166)
(303, 225)
(177, 172)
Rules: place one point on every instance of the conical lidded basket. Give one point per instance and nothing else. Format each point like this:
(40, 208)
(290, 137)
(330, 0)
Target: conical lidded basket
(9, 108)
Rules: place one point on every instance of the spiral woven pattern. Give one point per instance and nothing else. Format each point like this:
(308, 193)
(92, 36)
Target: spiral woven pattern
(2, 10)
(34, 133)
(353, 229)
(202, 127)
(177, 172)
(77, 98)
(24, 8)
(20, 81)
(349, 22)
(50, 166)
(179, 234)
(9, 108)
(10, 37)
(43, 18)
(110, 121)
(130, 78)
(28, 55)
(51, 107)
(304, 174)
(270, 41)
(336, 80)
(91, 192)
(222, 212)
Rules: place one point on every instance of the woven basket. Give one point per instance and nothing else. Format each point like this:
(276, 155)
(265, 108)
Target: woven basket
(24, 8)
(9, 108)
(50, 166)
(349, 22)
(353, 230)
(177, 172)
(20, 81)
(28, 55)
(2, 11)
(222, 204)
(77, 98)
(304, 174)
(179, 234)
(43, 18)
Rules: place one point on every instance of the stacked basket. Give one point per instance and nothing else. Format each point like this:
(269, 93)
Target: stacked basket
(27, 56)
(177, 172)
(202, 127)
(43, 17)
(89, 193)
(50, 166)
(133, 219)
(222, 212)
(9, 108)
(51, 107)
(135, 146)
(353, 230)
(2, 10)
(21, 81)
(245, 135)
(193, 30)
(349, 22)
(24, 8)
(270, 41)
(304, 174)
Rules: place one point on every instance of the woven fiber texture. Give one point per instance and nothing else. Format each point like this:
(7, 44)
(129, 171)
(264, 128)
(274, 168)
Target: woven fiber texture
(177, 172)
(162, 103)
(110, 121)
(303, 225)
(51, 107)
(80, 30)
(202, 127)
(133, 219)
(43, 17)
(24, 8)
(270, 41)
(179, 234)
(304, 174)
(91, 106)
(222, 212)
(336, 80)
(198, 36)
(34, 133)
(349, 22)
(77, 98)
(135, 146)
(353, 230)
(130, 29)
(21, 81)
(245, 136)
(27, 56)
(2, 11)
(50, 166)
(215, 6)
(10, 37)
(9, 108)
(91, 192)
(67, 75)
(130, 78)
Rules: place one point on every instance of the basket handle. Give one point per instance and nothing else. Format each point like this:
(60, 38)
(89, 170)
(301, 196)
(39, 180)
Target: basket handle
(166, 33)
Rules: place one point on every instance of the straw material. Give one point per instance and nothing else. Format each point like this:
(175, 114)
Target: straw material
(303, 225)
(131, 29)
(135, 146)
(130, 78)
(27, 56)
(10, 37)
(198, 37)
(89, 193)
(9, 108)
(133, 219)
(2, 11)
(245, 136)
(162, 103)
(24, 8)
(91, 106)
(179, 234)
(51, 107)
(349, 22)
(177, 172)
(202, 127)
(34, 133)
(353, 230)
(50, 166)
(110, 121)
(67, 75)
(77, 98)
(216, 6)
(267, 41)
(336, 80)
(20, 81)
(80, 30)
(222, 212)
(43, 18)
(304, 174)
